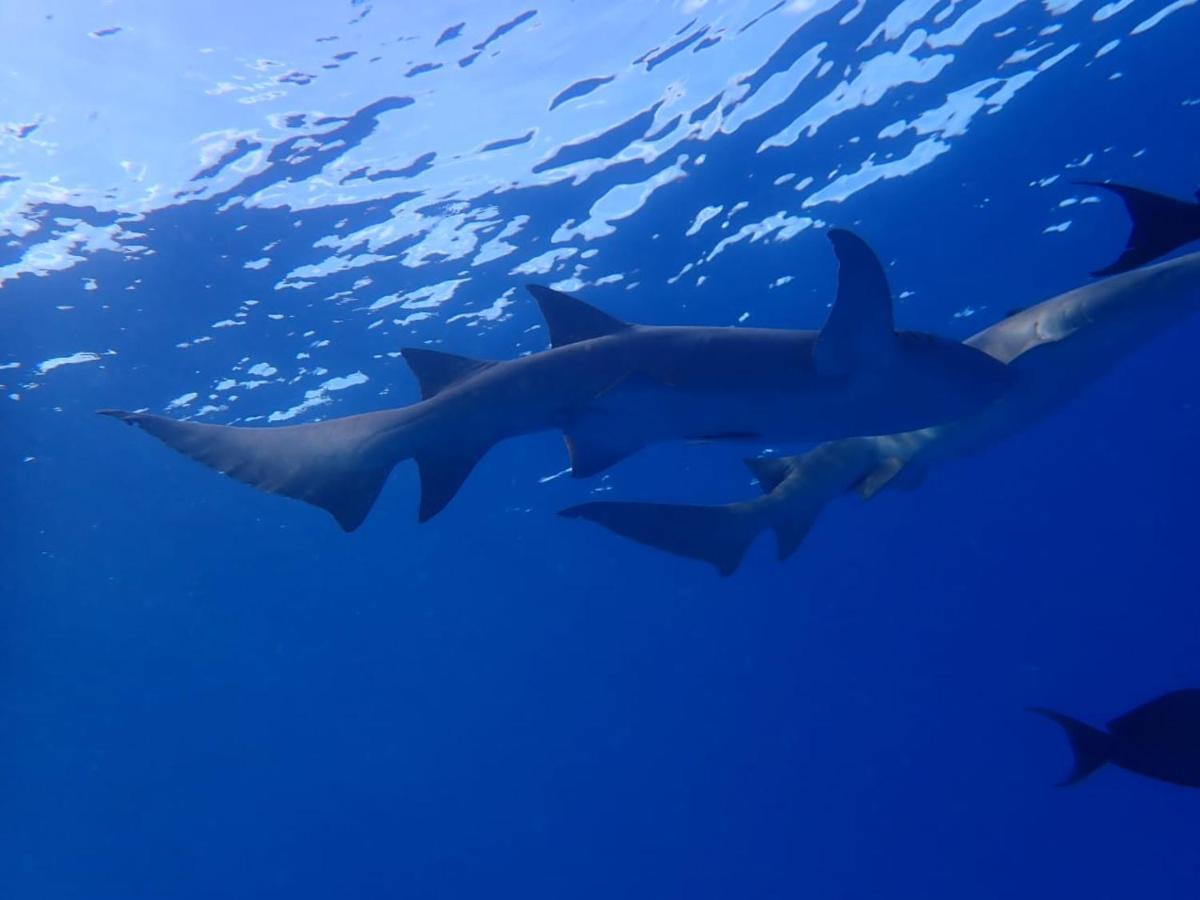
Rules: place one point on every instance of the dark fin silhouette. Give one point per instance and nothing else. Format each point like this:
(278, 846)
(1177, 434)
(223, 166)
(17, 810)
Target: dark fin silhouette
(1090, 745)
(1174, 715)
(441, 477)
(593, 448)
(569, 320)
(1160, 224)
(790, 533)
(322, 463)
(718, 535)
(859, 330)
(436, 371)
(769, 471)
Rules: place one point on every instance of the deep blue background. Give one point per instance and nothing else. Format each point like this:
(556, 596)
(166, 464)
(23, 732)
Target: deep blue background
(211, 693)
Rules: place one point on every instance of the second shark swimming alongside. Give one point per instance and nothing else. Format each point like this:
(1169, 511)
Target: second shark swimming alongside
(612, 388)
(1056, 349)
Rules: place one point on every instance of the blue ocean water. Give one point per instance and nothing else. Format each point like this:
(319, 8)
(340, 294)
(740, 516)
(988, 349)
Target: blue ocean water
(240, 213)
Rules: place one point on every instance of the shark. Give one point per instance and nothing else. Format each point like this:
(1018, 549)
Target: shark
(612, 388)
(1056, 350)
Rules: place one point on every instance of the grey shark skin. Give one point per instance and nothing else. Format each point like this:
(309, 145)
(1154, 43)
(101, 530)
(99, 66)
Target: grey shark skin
(1159, 739)
(612, 388)
(1056, 349)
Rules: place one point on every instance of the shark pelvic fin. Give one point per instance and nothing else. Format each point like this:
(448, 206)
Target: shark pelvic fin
(593, 448)
(436, 371)
(880, 477)
(569, 320)
(442, 474)
(769, 471)
(859, 330)
(717, 535)
(1160, 224)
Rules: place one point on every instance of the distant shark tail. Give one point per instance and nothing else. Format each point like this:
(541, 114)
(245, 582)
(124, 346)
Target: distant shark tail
(1090, 745)
(718, 535)
(1161, 224)
(339, 465)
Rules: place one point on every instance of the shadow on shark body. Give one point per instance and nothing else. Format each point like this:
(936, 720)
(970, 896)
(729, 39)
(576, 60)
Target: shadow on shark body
(612, 388)
(1055, 349)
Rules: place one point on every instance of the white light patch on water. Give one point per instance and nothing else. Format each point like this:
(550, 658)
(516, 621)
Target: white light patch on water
(703, 216)
(1108, 10)
(1167, 10)
(620, 202)
(974, 18)
(489, 314)
(11, 365)
(870, 172)
(63, 252)
(427, 297)
(876, 77)
(903, 16)
(1057, 229)
(1059, 7)
(262, 370)
(1107, 49)
(783, 225)
(319, 396)
(257, 263)
(182, 400)
(544, 262)
(498, 246)
(74, 359)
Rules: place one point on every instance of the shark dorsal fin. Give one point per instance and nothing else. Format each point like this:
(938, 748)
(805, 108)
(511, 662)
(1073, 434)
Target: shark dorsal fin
(770, 471)
(859, 330)
(569, 320)
(436, 370)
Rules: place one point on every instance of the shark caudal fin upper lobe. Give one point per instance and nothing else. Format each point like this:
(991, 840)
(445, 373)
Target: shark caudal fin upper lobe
(339, 465)
(1091, 746)
(1160, 224)
(718, 535)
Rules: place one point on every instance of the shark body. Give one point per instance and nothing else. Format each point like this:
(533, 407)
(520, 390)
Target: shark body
(612, 388)
(1055, 349)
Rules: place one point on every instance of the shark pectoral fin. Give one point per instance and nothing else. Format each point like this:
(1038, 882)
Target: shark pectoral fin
(436, 371)
(880, 477)
(594, 447)
(569, 320)
(442, 475)
(718, 535)
(859, 330)
(769, 471)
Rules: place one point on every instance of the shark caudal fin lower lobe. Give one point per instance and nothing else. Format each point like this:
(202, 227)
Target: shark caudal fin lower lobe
(1160, 224)
(718, 535)
(339, 465)
(1091, 746)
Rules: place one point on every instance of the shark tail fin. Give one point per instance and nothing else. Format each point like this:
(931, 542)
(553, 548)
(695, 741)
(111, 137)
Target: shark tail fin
(1090, 745)
(339, 465)
(1160, 224)
(718, 535)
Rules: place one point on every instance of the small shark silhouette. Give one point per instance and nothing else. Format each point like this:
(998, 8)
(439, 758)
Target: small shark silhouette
(612, 388)
(1056, 349)
(1159, 739)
